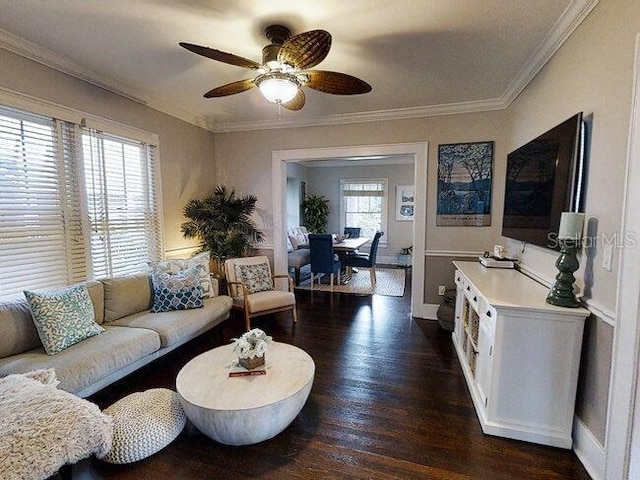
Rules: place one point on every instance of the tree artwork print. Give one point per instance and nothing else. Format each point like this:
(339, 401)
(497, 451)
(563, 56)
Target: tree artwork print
(464, 184)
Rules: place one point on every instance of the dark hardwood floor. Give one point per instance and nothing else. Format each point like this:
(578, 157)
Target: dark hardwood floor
(389, 401)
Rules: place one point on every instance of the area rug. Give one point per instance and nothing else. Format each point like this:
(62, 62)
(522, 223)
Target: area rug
(390, 282)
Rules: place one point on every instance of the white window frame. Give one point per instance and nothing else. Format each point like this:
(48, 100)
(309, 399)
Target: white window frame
(384, 208)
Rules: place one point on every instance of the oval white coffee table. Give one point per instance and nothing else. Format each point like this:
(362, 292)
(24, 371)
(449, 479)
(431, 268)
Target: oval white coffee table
(245, 410)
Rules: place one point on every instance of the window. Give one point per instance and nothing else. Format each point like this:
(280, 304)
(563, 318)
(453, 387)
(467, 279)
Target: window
(72, 210)
(123, 211)
(364, 204)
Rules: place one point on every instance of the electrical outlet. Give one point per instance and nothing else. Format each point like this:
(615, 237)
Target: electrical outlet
(441, 289)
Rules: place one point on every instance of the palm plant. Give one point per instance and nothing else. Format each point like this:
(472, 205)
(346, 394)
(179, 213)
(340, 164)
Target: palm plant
(222, 223)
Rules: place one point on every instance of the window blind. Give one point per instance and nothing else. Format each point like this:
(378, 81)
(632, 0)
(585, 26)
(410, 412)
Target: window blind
(75, 203)
(122, 203)
(38, 195)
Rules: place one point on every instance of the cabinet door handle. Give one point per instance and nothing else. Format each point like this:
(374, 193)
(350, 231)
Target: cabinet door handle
(475, 299)
(488, 313)
(468, 288)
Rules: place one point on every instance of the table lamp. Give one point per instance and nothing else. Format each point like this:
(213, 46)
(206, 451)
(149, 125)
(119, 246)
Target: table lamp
(570, 237)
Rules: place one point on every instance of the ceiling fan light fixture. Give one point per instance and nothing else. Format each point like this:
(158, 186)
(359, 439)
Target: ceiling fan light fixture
(278, 87)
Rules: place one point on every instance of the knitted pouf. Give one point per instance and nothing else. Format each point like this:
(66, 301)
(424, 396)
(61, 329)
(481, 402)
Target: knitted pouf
(143, 424)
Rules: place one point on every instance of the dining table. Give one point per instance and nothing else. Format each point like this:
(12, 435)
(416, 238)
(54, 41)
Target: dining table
(347, 247)
(350, 245)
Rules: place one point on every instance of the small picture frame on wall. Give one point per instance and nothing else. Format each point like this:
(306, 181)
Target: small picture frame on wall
(464, 184)
(405, 202)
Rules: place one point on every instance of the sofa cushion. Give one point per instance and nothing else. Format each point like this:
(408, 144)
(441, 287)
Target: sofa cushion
(174, 265)
(96, 292)
(173, 327)
(89, 361)
(126, 295)
(176, 291)
(63, 317)
(19, 333)
(299, 258)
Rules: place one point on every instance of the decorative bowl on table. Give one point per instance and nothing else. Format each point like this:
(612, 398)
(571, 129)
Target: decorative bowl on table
(340, 237)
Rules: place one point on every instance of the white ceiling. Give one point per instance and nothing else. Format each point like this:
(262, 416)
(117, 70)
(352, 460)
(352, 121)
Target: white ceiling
(422, 57)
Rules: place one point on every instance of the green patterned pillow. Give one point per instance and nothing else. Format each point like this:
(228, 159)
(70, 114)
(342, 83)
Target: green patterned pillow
(63, 318)
(256, 277)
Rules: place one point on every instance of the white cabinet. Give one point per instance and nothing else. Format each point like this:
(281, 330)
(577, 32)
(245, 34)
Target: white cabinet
(520, 356)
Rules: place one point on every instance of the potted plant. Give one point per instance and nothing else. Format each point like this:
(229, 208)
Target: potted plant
(251, 347)
(315, 212)
(222, 223)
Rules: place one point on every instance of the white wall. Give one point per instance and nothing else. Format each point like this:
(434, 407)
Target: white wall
(326, 181)
(592, 73)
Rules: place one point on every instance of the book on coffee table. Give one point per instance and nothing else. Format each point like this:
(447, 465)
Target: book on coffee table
(238, 370)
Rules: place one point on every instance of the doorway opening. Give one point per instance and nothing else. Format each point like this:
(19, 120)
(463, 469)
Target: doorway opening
(418, 153)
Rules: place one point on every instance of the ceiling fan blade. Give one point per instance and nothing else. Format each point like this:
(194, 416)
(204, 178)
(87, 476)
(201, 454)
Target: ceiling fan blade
(220, 56)
(231, 88)
(336, 83)
(305, 50)
(297, 103)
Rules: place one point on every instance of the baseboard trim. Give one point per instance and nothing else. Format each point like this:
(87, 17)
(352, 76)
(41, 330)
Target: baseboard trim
(426, 311)
(588, 449)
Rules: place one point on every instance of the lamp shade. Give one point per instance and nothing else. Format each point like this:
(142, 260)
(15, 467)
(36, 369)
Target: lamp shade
(278, 88)
(571, 225)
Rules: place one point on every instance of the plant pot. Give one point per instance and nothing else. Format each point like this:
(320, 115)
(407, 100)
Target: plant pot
(251, 363)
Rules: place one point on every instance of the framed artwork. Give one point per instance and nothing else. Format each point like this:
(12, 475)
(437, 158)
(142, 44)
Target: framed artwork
(405, 202)
(464, 184)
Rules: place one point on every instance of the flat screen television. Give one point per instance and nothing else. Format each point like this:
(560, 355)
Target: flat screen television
(544, 179)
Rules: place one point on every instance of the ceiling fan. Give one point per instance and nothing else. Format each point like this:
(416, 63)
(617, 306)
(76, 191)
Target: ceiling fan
(284, 68)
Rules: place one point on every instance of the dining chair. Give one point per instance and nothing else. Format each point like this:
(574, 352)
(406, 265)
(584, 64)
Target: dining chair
(254, 289)
(365, 261)
(323, 259)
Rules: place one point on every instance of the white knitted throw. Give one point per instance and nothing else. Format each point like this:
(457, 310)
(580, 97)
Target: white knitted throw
(43, 428)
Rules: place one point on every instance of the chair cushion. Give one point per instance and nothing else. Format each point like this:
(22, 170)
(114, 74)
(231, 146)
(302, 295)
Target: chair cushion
(143, 424)
(177, 291)
(262, 301)
(256, 277)
(174, 265)
(63, 318)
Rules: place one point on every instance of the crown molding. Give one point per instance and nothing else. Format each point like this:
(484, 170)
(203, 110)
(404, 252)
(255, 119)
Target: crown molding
(570, 19)
(373, 116)
(566, 24)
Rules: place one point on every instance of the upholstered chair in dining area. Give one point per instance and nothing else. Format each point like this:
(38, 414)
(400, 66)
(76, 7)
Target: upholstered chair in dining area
(255, 291)
(365, 261)
(323, 259)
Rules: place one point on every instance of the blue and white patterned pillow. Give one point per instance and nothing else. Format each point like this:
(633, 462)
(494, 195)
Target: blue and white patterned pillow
(63, 318)
(175, 265)
(177, 291)
(256, 277)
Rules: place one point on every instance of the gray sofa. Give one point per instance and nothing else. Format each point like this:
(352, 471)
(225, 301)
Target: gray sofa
(298, 253)
(133, 335)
